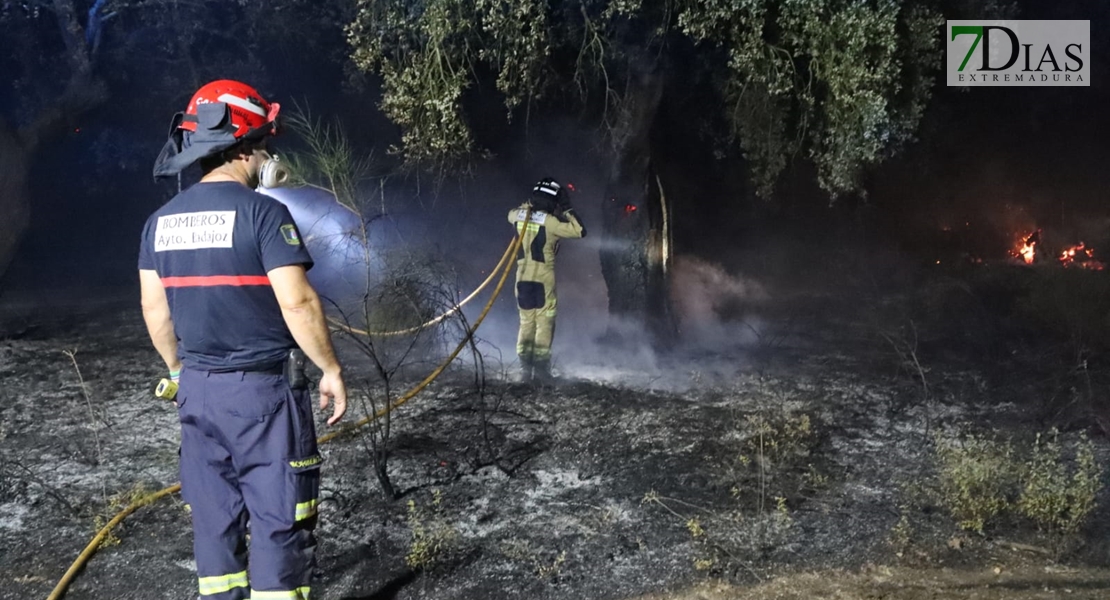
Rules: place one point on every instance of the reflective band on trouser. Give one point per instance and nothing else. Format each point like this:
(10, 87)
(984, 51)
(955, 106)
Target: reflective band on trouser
(237, 469)
(210, 586)
(305, 510)
(297, 594)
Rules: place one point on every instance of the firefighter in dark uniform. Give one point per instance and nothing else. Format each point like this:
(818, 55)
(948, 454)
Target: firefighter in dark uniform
(227, 305)
(545, 219)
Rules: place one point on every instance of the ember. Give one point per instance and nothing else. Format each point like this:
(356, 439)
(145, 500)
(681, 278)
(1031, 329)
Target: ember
(1078, 255)
(1084, 255)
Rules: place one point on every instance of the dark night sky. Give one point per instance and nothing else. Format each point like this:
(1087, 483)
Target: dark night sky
(996, 158)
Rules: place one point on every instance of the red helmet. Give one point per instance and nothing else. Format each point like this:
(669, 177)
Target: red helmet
(251, 114)
(220, 115)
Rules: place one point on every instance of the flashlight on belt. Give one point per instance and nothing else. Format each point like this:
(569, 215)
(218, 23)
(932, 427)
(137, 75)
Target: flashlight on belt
(166, 389)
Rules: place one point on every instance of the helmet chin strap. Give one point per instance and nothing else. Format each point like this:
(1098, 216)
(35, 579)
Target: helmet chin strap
(273, 173)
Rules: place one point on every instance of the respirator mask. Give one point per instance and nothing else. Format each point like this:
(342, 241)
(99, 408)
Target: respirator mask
(273, 173)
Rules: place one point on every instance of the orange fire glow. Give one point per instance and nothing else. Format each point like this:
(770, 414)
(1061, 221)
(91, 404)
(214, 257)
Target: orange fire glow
(1027, 247)
(1086, 257)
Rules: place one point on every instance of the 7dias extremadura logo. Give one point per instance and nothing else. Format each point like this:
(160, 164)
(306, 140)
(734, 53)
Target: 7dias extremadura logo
(1031, 53)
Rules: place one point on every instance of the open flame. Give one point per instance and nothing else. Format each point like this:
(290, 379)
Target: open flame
(1084, 254)
(1079, 255)
(1027, 248)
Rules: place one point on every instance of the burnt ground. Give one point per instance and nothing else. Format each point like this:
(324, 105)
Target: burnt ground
(588, 489)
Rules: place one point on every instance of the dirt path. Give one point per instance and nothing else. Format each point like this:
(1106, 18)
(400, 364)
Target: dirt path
(881, 583)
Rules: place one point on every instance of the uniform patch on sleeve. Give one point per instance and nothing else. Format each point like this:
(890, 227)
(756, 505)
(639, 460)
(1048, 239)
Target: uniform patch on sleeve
(290, 235)
(196, 230)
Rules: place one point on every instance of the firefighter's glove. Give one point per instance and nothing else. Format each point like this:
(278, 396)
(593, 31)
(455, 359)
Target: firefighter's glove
(563, 209)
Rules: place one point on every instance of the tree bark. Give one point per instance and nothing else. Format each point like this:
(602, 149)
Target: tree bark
(15, 205)
(635, 247)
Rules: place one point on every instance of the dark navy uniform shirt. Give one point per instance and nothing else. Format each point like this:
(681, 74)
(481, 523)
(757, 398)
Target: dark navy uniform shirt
(212, 246)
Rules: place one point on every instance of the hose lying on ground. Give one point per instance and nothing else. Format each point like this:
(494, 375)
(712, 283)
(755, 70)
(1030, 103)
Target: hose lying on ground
(94, 545)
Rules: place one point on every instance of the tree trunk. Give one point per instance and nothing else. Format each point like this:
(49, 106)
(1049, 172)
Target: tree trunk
(15, 205)
(83, 92)
(635, 220)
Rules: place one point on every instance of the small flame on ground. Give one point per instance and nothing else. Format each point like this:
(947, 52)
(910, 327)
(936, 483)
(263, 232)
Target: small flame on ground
(1078, 255)
(1086, 257)
(1027, 251)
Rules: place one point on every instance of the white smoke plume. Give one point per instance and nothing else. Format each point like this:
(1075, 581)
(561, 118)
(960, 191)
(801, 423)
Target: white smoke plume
(714, 308)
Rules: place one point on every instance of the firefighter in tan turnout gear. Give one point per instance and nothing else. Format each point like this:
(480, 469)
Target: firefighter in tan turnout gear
(543, 221)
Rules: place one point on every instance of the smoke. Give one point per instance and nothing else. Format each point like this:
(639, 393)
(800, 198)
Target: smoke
(465, 227)
(332, 235)
(714, 308)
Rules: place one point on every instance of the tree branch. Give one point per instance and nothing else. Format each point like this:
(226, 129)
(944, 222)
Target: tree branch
(77, 52)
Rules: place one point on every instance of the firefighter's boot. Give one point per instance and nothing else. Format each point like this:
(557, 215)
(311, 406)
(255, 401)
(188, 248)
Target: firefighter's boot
(526, 369)
(541, 372)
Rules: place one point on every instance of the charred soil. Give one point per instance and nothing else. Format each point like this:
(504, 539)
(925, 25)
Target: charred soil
(794, 461)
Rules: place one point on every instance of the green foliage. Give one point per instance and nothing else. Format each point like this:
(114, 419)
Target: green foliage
(982, 478)
(110, 538)
(433, 538)
(835, 69)
(901, 535)
(1056, 498)
(845, 80)
(330, 160)
(137, 494)
(545, 563)
(775, 458)
(976, 474)
(778, 440)
(426, 53)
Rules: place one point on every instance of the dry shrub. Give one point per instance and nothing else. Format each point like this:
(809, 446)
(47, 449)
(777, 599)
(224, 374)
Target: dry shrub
(434, 539)
(767, 472)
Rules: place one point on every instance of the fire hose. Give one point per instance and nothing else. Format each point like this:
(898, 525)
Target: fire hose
(504, 257)
(94, 545)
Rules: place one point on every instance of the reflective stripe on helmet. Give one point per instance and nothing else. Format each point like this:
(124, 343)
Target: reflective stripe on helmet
(242, 103)
(250, 114)
(546, 187)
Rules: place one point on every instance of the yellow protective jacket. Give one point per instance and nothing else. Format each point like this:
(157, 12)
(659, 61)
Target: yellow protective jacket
(540, 242)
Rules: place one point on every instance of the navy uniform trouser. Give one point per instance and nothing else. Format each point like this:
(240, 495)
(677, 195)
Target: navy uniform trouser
(248, 455)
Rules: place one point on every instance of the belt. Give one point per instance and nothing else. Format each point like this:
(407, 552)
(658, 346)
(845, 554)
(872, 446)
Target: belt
(275, 369)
